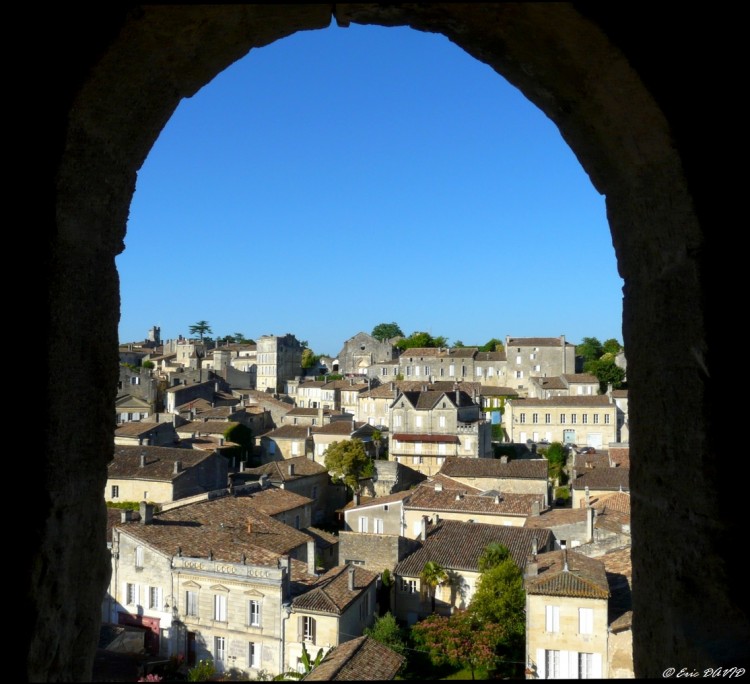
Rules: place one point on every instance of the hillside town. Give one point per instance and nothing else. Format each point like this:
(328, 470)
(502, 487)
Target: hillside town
(271, 511)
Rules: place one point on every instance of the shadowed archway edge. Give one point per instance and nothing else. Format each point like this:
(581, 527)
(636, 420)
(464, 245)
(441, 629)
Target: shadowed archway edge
(121, 72)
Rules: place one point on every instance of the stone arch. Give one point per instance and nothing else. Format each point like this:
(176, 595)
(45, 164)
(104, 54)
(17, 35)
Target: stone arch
(601, 75)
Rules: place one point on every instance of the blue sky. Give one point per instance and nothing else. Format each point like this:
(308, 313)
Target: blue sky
(346, 177)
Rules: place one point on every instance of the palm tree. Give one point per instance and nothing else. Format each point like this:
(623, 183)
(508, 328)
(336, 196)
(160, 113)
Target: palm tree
(494, 554)
(201, 328)
(433, 575)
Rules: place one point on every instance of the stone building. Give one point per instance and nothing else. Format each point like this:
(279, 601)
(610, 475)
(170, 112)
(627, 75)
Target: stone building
(161, 474)
(209, 580)
(362, 351)
(583, 420)
(529, 357)
(278, 359)
(567, 601)
(427, 426)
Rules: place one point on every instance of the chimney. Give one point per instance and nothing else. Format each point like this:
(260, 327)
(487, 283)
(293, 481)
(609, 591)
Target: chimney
(564, 548)
(242, 466)
(216, 387)
(459, 496)
(309, 431)
(534, 546)
(438, 486)
(589, 524)
(177, 467)
(356, 499)
(436, 518)
(291, 469)
(174, 420)
(143, 459)
(423, 528)
(221, 441)
(263, 481)
(503, 459)
(350, 572)
(588, 497)
(126, 515)
(458, 396)
(147, 512)
(497, 498)
(532, 567)
(536, 507)
(249, 526)
(310, 556)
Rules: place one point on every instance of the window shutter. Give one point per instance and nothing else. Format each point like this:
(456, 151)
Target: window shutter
(541, 663)
(300, 627)
(573, 665)
(596, 666)
(312, 629)
(564, 658)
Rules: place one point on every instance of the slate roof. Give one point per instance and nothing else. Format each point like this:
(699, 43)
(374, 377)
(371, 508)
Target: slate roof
(278, 471)
(583, 400)
(603, 478)
(584, 578)
(219, 526)
(532, 468)
(159, 464)
(331, 593)
(458, 545)
(426, 400)
(360, 659)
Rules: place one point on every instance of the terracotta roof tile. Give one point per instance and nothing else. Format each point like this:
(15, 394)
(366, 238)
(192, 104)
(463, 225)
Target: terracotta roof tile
(278, 471)
(159, 462)
(360, 659)
(522, 468)
(458, 545)
(219, 526)
(331, 594)
(291, 432)
(584, 577)
(209, 427)
(273, 501)
(427, 498)
(535, 342)
(603, 478)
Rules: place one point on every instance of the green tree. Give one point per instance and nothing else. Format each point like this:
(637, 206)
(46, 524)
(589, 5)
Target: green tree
(556, 456)
(309, 358)
(386, 630)
(201, 328)
(611, 346)
(386, 331)
(148, 364)
(458, 344)
(432, 576)
(493, 345)
(500, 596)
(348, 462)
(242, 436)
(500, 600)
(421, 339)
(460, 640)
(590, 349)
(607, 372)
(493, 554)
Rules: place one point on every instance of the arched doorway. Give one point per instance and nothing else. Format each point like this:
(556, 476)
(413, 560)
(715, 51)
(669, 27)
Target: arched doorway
(602, 75)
